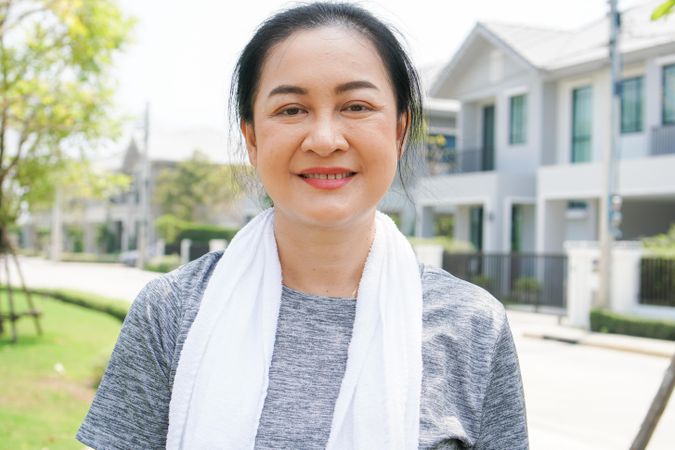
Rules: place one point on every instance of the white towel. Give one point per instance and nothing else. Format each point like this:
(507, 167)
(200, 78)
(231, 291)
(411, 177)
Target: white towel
(222, 375)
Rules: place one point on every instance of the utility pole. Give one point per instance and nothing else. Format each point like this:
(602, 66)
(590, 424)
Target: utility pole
(610, 205)
(144, 197)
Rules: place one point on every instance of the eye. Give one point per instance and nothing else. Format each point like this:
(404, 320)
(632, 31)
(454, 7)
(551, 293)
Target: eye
(357, 107)
(291, 111)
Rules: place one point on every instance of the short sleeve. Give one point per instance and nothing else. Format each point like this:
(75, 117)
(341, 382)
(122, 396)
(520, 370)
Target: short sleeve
(130, 410)
(503, 418)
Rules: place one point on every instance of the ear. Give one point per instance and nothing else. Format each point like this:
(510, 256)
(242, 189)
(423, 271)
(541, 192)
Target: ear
(249, 136)
(402, 132)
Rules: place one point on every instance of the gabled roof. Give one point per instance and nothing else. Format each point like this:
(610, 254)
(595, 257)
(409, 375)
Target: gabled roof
(548, 50)
(179, 145)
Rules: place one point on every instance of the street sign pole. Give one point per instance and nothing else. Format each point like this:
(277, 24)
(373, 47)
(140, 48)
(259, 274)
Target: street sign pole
(610, 204)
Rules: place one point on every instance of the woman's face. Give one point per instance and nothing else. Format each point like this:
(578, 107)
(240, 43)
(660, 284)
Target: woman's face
(326, 135)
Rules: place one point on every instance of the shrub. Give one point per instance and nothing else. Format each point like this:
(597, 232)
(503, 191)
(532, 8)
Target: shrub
(482, 280)
(204, 233)
(448, 244)
(89, 258)
(174, 230)
(610, 322)
(163, 264)
(116, 308)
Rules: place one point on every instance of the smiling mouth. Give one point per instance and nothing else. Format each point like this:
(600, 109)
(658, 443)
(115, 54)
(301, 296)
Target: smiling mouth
(327, 176)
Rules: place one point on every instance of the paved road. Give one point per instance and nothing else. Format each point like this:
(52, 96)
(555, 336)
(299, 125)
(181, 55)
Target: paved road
(110, 280)
(578, 397)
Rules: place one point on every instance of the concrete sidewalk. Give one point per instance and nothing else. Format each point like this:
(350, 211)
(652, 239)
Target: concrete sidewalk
(546, 326)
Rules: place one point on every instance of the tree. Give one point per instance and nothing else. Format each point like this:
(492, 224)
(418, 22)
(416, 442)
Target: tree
(56, 97)
(663, 9)
(194, 188)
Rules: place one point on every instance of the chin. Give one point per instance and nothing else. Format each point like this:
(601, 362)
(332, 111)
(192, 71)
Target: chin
(331, 216)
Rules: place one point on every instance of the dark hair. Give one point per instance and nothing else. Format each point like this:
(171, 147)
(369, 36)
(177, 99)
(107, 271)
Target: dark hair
(280, 26)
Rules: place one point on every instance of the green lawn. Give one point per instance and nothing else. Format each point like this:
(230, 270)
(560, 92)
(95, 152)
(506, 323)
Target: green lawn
(46, 382)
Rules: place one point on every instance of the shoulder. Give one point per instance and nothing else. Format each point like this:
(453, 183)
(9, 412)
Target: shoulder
(469, 310)
(181, 288)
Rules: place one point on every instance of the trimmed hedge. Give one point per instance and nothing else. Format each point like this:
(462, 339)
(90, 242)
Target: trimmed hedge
(204, 233)
(115, 308)
(610, 322)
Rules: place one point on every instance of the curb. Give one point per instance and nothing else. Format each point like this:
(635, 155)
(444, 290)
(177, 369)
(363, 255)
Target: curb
(644, 346)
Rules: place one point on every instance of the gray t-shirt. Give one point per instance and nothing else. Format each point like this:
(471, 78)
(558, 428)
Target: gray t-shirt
(472, 396)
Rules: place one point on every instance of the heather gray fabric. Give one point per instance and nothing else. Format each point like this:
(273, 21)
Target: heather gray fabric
(472, 395)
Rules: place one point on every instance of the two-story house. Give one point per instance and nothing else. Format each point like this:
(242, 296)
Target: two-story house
(534, 127)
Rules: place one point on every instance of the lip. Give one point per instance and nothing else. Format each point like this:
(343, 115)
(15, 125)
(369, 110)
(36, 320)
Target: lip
(327, 184)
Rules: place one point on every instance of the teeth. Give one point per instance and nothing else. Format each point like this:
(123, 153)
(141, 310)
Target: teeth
(326, 176)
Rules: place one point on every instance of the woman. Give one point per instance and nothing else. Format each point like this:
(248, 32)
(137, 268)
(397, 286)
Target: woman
(316, 328)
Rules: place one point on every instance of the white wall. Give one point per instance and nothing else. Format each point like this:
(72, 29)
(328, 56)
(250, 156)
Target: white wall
(584, 226)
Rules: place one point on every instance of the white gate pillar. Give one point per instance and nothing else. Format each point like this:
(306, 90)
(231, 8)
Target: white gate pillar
(582, 279)
(626, 276)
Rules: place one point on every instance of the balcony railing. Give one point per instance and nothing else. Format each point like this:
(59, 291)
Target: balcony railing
(663, 140)
(454, 161)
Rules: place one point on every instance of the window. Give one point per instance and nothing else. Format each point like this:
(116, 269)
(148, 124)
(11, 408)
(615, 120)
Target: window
(516, 228)
(631, 105)
(669, 95)
(581, 124)
(476, 227)
(577, 205)
(518, 125)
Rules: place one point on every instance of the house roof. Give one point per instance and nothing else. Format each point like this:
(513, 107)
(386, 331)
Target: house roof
(549, 50)
(178, 145)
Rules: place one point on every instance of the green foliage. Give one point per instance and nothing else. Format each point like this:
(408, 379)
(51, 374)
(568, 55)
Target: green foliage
(444, 225)
(663, 9)
(662, 245)
(76, 237)
(482, 280)
(163, 264)
(526, 290)
(89, 258)
(448, 244)
(115, 308)
(106, 239)
(203, 233)
(169, 227)
(57, 97)
(527, 284)
(173, 230)
(47, 381)
(610, 322)
(196, 187)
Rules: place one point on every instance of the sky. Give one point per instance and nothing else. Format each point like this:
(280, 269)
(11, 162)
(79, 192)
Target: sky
(183, 52)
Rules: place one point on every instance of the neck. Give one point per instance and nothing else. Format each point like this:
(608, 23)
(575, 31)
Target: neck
(323, 261)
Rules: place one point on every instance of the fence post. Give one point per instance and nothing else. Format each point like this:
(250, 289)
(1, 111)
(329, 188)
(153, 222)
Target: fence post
(430, 254)
(582, 281)
(626, 277)
(217, 244)
(185, 245)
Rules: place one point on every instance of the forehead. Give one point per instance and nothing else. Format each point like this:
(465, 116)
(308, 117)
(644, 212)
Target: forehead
(323, 57)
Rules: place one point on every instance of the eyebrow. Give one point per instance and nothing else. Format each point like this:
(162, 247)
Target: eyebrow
(340, 89)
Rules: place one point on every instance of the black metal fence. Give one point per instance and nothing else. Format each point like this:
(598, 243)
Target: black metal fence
(538, 281)
(197, 249)
(657, 281)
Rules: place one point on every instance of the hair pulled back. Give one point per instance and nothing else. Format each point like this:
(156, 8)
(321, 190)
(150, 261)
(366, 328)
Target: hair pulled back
(402, 74)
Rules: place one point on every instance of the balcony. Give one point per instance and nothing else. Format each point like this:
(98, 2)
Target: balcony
(663, 140)
(449, 161)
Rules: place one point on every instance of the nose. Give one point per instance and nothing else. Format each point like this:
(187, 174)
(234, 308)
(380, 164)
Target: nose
(325, 136)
